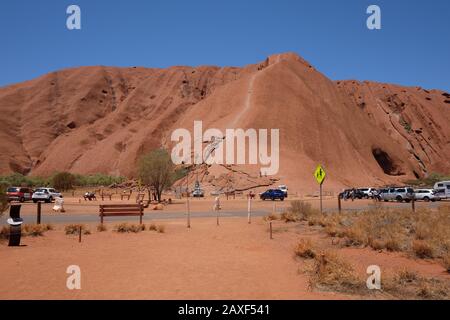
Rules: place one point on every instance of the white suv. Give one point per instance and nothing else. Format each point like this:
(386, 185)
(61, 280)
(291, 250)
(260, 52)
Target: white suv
(284, 188)
(45, 194)
(426, 195)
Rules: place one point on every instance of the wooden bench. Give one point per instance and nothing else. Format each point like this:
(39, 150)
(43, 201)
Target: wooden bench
(116, 210)
(125, 196)
(106, 195)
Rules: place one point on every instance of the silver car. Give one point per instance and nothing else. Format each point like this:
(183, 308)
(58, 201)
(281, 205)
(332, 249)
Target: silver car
(45, 194)
(426, 195)
(396, 194)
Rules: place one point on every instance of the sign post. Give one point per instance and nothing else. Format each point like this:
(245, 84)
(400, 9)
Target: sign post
(249, 210)
(319, 174)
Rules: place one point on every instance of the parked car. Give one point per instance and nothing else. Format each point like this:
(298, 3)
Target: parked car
(198, 193)
(442, 189)
(351, 194)
(367, 192)
(20, 194)
(396, 194)
(284, 188)
(425, 195)
(45, 194)
(272, 194)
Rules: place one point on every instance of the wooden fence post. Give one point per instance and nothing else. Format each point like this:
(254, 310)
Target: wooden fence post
(270, 226)
(39, 212)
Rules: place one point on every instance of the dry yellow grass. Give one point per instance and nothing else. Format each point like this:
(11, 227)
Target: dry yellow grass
(424, 233)
(161, 229)
(304, 249)
(407, 284)
(271, 217)
(35, 230)
(74, 229)
(330, 272)
(101, 227)
(126, 228)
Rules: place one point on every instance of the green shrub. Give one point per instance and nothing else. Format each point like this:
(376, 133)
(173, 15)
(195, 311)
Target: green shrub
(63, 181)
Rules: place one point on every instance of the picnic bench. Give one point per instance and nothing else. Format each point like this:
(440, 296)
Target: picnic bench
(125, 196)
(140, 200)
(106, 195)
(117, 210)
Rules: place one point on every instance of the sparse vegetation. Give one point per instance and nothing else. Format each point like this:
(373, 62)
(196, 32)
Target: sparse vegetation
(153, 227)
(407, 284)
(271, 217)
(101, 227)
(63, 181)
(333, 273)
(129, 228)
(19, 180)
(161, 229)
(156, 170)
(4, 204)
(422, 249)
(446, 262)
(429, 181)
(35, 230)
(305, 250)
(4, 233)
(74, 229)
(423, 234)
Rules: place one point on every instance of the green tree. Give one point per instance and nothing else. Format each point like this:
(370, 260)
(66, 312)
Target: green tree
(63, 181)
(156, 170)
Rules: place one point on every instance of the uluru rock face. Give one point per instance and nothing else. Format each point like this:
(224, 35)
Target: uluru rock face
(101, 119)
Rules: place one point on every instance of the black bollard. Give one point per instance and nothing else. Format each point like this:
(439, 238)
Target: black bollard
(15, 226)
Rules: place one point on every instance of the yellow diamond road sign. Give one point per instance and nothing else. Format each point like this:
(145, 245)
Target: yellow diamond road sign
(319, 174)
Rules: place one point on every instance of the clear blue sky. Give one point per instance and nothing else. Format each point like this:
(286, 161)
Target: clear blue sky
(412, 48)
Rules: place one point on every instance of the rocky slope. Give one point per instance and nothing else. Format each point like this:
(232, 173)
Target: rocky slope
(101, 119)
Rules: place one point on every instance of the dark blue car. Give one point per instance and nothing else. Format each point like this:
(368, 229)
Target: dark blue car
(273, 194)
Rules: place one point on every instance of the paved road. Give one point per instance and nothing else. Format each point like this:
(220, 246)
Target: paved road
(78, 218)
(167, 215)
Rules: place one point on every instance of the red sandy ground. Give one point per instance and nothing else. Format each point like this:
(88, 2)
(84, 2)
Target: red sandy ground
(233, 261)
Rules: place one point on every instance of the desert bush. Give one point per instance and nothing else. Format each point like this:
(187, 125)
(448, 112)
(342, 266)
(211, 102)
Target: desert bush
(289, 216)
(405, 276)
(393, 230)
(446, 262)
(97, 180)
(4, 204)
(303, 209)
(331, 272)
(304, 249)
(422, 249)
(407, 284)
(34, 230)
(271, 217)
(4, 232)
(63, 181)
(152, 227)
(101, 227)
(74, 229)
(129, 228)
(161, 229)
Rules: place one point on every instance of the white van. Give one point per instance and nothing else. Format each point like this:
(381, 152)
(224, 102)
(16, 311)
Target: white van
(442, 189)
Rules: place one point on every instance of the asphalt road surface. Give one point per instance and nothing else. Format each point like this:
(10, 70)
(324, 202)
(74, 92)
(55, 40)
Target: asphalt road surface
(167, 215)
